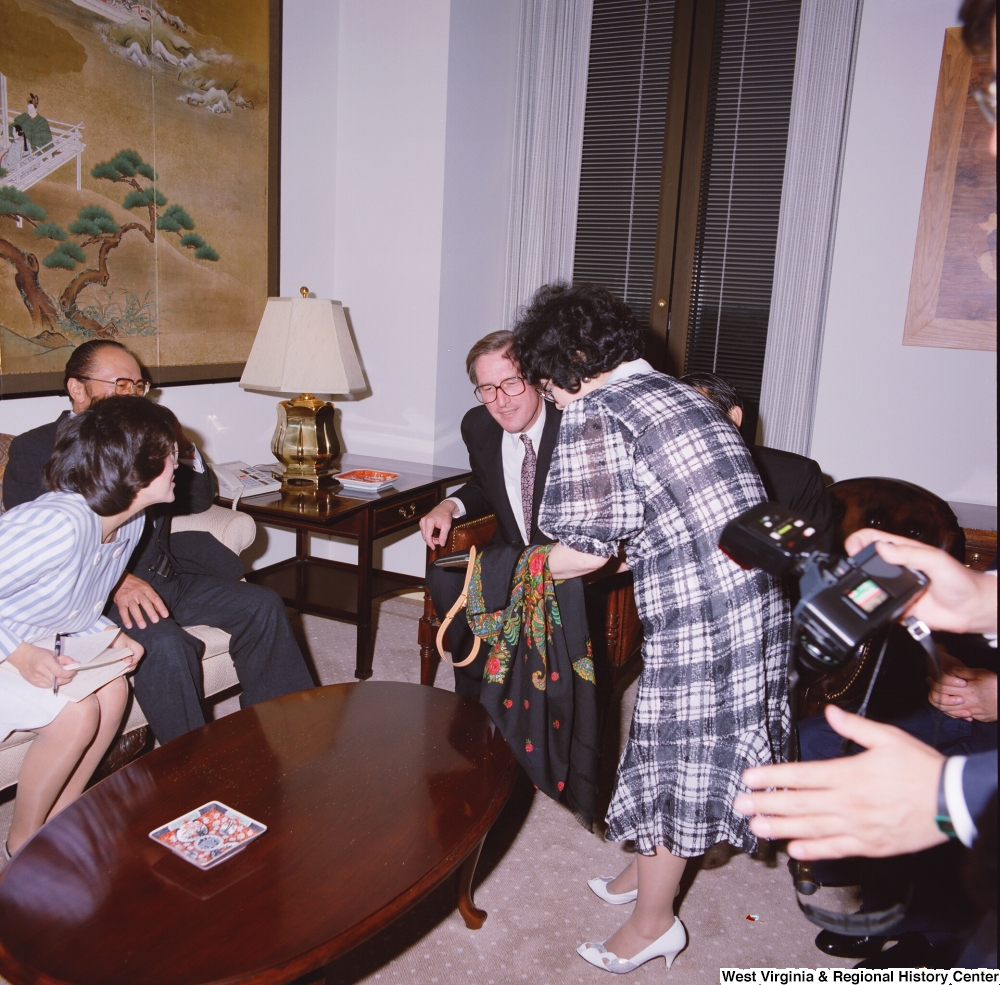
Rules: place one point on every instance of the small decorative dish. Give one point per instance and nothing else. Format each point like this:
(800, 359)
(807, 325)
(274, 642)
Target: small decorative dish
(367, 480)
(209, 834)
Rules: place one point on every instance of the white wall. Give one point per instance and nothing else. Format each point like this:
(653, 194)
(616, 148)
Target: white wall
(396, 129)
(482, 85)
(392, 92)
(924, 415)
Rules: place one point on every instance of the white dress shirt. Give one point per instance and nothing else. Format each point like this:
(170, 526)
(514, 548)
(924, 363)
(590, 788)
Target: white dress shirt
(512, 456)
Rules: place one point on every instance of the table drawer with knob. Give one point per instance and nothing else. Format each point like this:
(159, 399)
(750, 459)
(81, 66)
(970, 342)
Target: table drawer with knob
(403, 514)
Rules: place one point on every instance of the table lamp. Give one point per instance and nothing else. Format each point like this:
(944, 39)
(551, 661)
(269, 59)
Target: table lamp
(304, 346)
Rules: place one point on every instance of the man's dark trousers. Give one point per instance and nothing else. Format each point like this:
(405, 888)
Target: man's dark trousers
(168, 686)
(445, 585)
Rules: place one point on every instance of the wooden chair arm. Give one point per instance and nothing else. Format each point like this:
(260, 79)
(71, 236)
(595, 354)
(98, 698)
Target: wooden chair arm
(473, 533)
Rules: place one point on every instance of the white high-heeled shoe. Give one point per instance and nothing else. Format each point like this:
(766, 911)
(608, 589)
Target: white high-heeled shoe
(668, 946)
(600, 887)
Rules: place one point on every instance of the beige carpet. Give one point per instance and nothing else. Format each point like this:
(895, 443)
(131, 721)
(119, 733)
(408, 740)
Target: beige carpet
(532, 876)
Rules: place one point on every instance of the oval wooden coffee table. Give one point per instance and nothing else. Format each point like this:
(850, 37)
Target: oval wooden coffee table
(373, 794)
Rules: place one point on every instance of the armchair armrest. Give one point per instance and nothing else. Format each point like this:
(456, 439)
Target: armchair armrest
(235, 530)
(473, 533)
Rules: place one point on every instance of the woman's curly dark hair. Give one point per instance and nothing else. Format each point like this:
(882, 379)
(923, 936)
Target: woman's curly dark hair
(111, 451)
(977, 17)
(571, 333)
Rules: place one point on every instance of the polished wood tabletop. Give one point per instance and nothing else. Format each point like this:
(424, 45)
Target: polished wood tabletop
(373, 793)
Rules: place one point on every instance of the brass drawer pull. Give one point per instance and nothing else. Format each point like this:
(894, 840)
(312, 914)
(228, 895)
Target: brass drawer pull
(408, 512)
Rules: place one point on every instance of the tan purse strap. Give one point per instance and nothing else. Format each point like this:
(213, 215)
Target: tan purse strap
(453, 611)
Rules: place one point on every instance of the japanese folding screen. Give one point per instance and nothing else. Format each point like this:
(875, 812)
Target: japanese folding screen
(138, 184)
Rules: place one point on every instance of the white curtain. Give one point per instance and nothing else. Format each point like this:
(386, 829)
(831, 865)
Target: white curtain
(553, 55)
(821, 99)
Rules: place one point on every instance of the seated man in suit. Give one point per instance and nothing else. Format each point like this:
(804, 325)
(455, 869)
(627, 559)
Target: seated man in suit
(510, 438)
(189, 579)
(794, 481)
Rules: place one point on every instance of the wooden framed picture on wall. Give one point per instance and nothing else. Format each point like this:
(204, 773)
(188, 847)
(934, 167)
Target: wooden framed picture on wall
(139, 183)
(953, 287)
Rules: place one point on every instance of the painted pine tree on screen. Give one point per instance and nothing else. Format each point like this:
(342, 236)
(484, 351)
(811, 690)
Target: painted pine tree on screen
(59, 319)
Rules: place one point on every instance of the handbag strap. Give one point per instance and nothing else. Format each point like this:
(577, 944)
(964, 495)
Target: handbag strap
(452, 612)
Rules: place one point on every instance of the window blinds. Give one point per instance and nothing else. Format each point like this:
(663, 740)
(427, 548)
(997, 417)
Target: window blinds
(753, 63)
(623, 147)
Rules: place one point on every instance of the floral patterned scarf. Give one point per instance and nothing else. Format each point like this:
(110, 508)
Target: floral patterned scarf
(539, 686)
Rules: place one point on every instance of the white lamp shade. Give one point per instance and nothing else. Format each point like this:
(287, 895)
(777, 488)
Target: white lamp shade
(303, 345)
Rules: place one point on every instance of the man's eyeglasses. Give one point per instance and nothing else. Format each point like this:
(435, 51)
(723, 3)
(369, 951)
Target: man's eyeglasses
(487, 393)
(986, 98)
(123, 385)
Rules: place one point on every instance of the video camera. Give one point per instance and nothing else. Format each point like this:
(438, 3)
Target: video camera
(843, 601)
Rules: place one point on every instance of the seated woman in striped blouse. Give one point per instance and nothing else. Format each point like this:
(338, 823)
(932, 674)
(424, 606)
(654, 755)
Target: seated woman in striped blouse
(60, 558)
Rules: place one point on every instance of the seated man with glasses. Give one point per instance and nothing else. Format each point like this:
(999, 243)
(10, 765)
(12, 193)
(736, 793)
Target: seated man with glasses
(171, 580)
(510, 438)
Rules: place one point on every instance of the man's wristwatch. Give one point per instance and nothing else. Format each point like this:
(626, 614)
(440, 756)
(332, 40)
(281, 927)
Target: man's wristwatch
(943, 816)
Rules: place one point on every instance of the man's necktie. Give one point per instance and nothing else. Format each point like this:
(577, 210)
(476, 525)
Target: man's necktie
(527, 485)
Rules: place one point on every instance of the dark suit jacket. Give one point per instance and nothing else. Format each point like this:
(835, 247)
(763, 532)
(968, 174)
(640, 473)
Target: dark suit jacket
(796, 482)
(486, 492)
(22, 482)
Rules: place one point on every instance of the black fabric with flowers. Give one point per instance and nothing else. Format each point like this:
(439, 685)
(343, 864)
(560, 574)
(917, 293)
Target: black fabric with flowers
(538, 685)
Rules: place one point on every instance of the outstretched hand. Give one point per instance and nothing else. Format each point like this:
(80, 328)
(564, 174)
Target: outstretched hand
(878, 803)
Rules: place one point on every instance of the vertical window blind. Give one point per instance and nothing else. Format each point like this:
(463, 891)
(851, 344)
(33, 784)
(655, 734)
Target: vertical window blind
(753, 63)
(623, 147)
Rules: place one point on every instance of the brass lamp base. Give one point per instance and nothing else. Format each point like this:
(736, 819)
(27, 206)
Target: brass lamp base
(305, 442)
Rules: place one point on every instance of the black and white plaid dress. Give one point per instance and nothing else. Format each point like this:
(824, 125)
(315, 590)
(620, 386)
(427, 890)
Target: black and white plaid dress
(647, 461)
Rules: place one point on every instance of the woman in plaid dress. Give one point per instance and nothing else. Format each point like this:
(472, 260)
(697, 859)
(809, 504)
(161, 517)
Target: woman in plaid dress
(645, 462)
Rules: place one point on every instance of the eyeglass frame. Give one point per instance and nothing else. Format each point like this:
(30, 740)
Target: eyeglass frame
(133, 385)
(500, 386)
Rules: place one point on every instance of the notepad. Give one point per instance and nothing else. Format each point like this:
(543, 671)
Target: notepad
(95, 662)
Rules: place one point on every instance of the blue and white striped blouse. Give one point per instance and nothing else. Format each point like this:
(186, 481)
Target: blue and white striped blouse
(55, 574)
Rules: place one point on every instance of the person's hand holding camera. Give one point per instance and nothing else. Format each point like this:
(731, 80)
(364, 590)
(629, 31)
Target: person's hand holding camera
(957, 600)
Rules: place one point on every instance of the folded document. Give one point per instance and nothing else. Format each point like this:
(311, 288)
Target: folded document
(94, 660)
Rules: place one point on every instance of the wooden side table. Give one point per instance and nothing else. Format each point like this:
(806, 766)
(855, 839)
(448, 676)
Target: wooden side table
(332, 588)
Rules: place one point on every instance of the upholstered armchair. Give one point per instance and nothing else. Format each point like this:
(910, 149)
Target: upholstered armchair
(237, 531)
(615, 630)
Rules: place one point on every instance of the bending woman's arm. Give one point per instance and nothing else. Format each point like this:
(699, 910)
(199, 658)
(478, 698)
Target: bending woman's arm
(564, 562)
(591, 503)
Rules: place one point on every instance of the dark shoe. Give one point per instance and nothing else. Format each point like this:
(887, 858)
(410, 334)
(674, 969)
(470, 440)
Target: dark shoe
(844, 946)
(913, 951)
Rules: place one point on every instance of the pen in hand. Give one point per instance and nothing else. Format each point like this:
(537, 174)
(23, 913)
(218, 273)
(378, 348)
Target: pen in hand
(58, 651)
